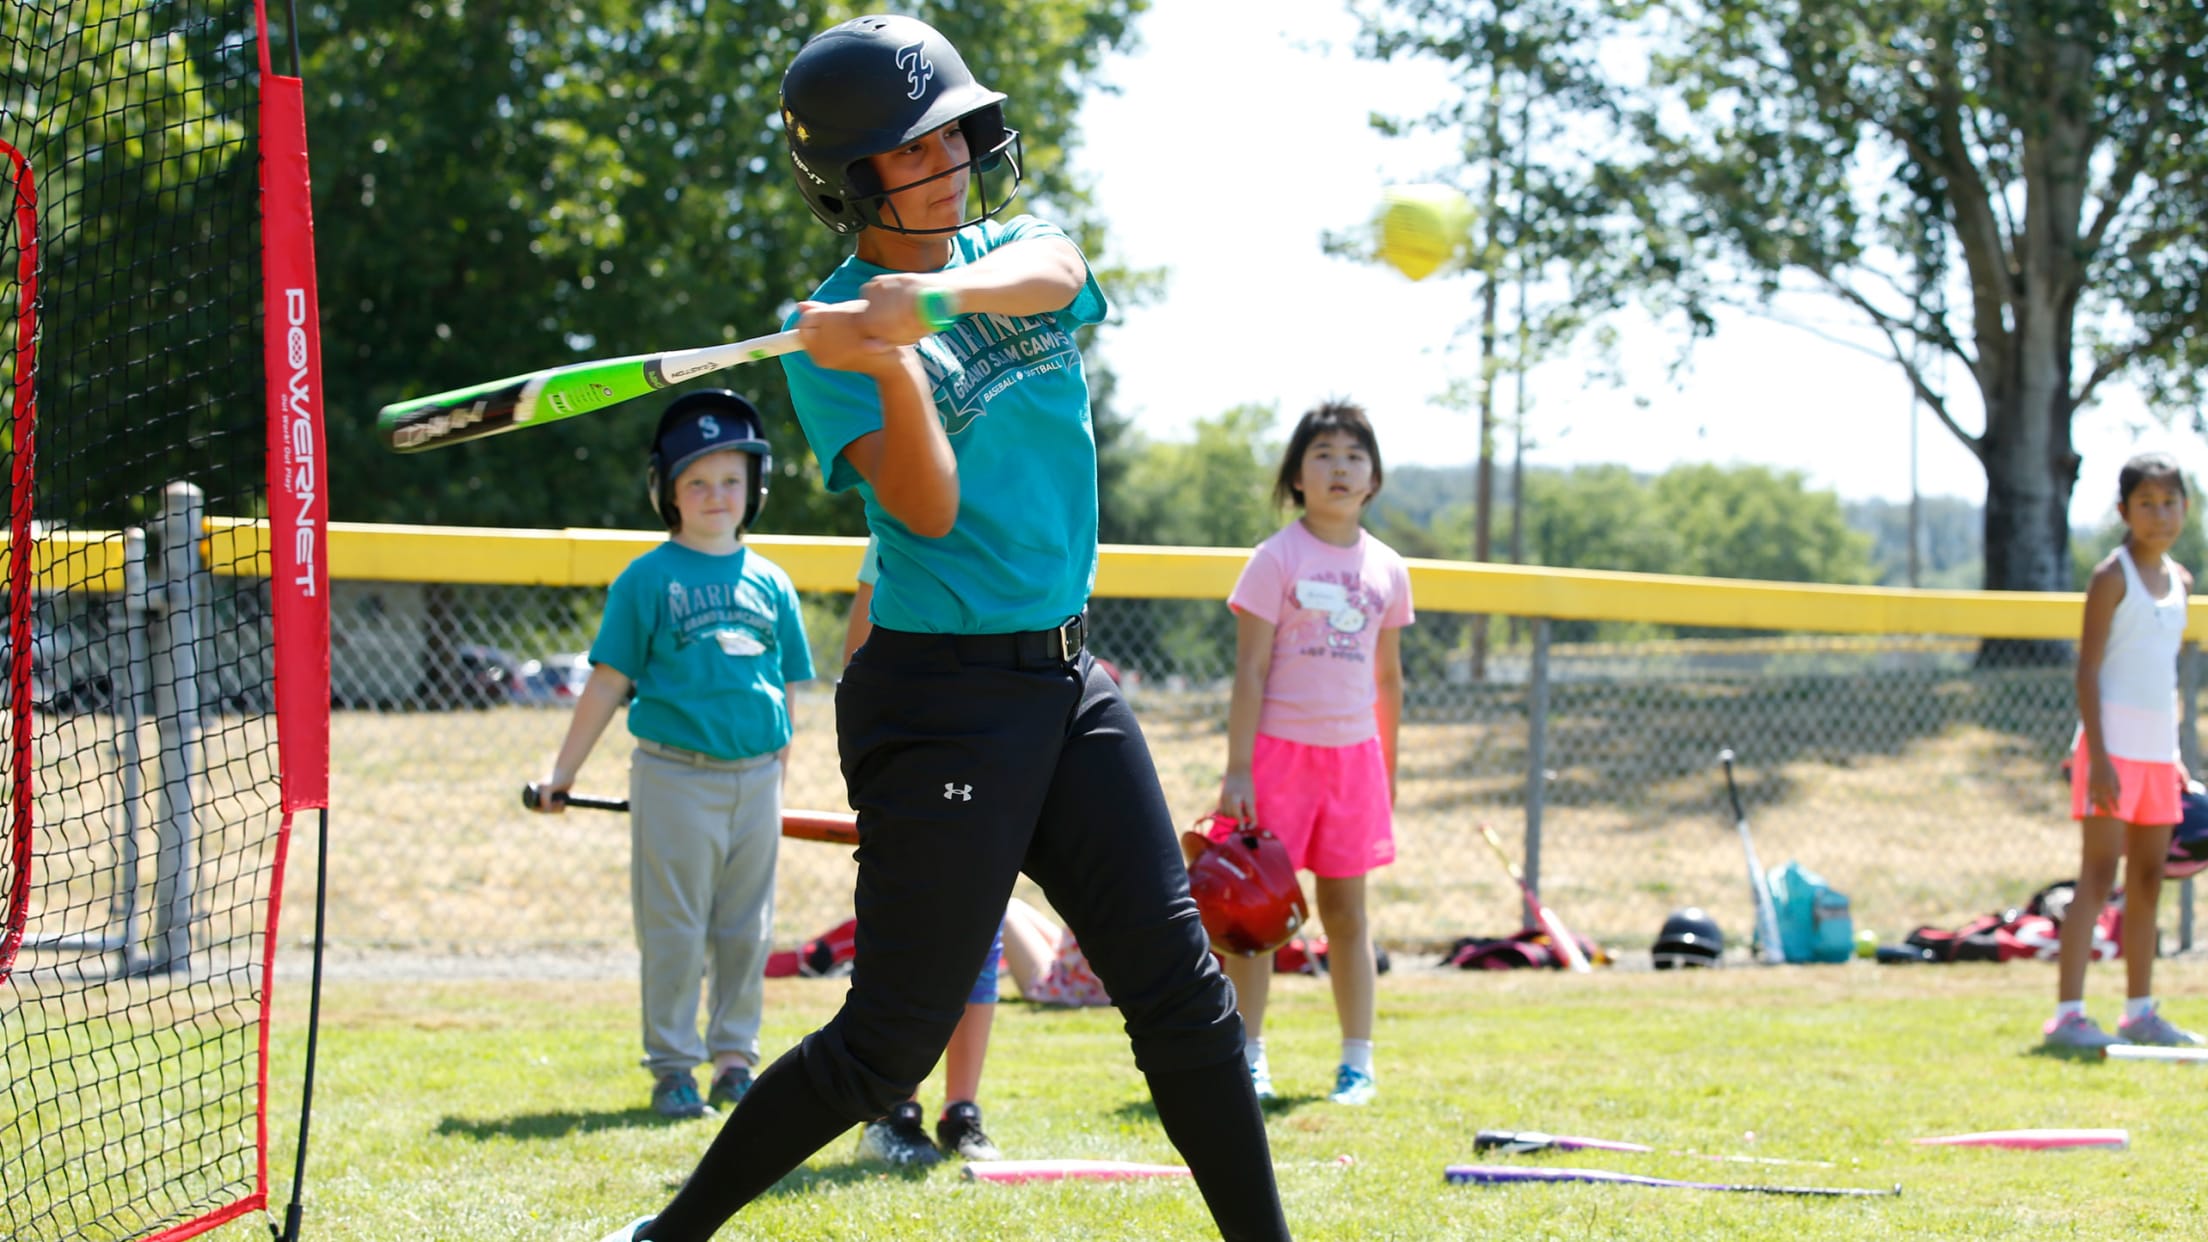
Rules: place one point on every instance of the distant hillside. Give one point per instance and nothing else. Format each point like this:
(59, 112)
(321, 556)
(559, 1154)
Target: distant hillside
(1950, 542)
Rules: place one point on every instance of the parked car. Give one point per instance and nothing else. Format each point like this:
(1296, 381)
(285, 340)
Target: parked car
(477, 675)
(553, 681)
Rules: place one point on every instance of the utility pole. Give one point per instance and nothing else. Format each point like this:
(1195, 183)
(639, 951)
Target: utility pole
(1483, 509)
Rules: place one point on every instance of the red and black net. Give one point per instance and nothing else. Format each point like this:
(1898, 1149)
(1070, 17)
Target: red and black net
(145, 820)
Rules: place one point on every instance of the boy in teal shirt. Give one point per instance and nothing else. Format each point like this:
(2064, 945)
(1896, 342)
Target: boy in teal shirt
(706, 635)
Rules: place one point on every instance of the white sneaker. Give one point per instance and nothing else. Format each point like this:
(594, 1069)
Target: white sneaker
(627, 1233)
(1261, 1078)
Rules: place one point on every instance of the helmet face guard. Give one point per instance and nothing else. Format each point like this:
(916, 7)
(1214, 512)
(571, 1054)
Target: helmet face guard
(871, 86)
(1245, 887)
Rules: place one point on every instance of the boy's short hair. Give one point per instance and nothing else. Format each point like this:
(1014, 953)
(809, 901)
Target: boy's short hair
(2159, 467)
(1331, 415)
(711, 420)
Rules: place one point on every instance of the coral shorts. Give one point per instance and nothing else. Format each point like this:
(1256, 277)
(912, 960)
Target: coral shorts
(2146, 793)
(1328, 804)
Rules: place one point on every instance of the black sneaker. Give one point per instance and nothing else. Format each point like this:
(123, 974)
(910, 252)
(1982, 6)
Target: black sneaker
(729, 1086)
(958, 1132)
(899, 1139)
(676, 1096)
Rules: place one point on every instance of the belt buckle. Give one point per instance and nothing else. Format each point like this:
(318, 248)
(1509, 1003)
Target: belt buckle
(1070, 638)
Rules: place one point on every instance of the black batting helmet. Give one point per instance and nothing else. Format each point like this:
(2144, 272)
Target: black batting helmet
(1689, 938)
(2188, 854)
(870, 86)
(697, 423)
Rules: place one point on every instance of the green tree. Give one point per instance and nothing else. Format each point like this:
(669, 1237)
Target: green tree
(2040, 151)
(2033, 162)
(1212, 490)
(137, 139)
(1598, 517)
(1708, 521)
(497, 192)
(1754, 522)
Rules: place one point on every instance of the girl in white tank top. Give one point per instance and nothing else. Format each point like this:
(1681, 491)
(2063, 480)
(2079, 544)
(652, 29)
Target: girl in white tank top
(2126, 774)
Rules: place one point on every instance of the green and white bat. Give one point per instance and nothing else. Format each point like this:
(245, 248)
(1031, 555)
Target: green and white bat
(555, 393)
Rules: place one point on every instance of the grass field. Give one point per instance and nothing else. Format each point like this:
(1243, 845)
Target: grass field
(513, 1111)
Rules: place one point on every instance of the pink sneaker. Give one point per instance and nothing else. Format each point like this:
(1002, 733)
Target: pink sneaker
(2152, 1028)
(2075, 1030)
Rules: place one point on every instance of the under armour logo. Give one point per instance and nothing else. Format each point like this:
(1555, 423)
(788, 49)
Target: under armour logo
(952, 789)
(919, 70)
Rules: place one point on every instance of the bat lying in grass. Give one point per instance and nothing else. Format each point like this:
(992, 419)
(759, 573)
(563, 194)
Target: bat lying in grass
(1492, 1175)
(834, 827)
(2149, 1052)
(1524, 1142)
(1016, 1171)
(2035, 1140)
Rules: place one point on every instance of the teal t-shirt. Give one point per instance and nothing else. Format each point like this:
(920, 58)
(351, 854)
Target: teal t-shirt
(1014, 401)
(711, 642)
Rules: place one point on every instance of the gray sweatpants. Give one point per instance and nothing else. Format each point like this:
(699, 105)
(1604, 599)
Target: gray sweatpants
(703, 838)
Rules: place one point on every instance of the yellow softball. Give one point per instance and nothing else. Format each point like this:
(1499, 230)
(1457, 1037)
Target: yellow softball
(1421, 227)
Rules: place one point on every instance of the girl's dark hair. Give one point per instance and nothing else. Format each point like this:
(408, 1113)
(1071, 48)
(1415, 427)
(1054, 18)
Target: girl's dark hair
(2159, 467)
(1335, 415)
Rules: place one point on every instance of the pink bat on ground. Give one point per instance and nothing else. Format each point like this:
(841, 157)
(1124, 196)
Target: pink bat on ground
(1068, 1170)
(1099, 1170)
(2036, 1140)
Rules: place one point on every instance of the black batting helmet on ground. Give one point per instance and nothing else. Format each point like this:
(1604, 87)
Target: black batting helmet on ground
(2189, 840)
(1689, 938)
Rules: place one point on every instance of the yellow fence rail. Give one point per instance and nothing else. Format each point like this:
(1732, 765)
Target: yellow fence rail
(589, 557)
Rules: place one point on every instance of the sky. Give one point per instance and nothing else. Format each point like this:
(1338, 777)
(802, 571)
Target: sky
(1239, 135)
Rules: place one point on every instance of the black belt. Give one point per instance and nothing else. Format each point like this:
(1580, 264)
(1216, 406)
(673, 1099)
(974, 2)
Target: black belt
(1056, 647)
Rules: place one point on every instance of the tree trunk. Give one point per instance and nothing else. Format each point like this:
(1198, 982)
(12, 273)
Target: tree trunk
(2031, 471)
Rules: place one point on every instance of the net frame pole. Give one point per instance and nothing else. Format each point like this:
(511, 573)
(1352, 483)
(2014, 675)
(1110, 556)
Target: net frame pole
(23, 424)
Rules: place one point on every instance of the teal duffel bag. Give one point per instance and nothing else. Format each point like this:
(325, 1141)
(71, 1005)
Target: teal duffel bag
(1815, 923)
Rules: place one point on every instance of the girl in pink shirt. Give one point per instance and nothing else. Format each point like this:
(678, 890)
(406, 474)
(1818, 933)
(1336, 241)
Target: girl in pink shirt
(1318, 692)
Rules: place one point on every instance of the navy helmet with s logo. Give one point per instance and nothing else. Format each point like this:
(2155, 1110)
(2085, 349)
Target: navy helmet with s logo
(870, 86)
(707, 421)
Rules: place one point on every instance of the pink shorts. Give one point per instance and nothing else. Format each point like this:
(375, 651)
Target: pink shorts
(2146, 793)
(1328, 804)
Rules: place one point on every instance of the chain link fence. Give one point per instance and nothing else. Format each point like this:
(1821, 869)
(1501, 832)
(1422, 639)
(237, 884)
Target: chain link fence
(1921, 784)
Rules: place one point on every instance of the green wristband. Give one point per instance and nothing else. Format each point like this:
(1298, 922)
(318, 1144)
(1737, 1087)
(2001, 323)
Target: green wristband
(938, 308)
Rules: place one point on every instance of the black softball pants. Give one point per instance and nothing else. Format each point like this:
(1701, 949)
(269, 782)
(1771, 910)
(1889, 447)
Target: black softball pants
(970, 759)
